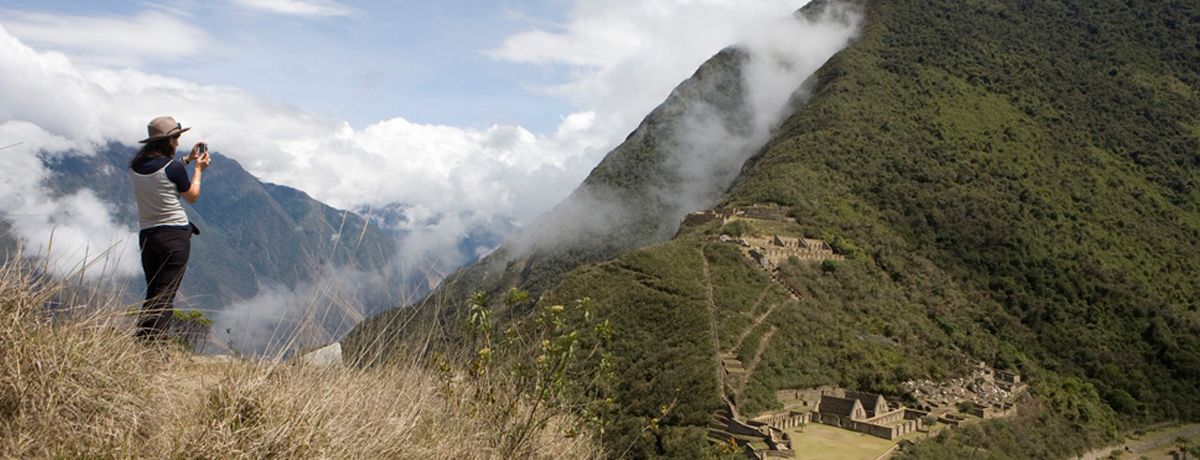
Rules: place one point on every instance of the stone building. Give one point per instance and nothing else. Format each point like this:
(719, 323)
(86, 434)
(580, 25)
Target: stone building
(872, 403)
(988, 410)
(1008, 380)
(845, 408)
(850, 413)
(778, 249)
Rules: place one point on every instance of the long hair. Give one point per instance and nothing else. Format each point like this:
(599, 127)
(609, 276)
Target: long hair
(155, 148)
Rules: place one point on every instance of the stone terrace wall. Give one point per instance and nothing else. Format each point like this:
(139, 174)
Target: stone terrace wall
(899, 424)
(783, 420)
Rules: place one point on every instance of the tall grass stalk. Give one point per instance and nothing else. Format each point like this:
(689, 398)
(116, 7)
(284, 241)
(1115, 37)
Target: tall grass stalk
(75, 383)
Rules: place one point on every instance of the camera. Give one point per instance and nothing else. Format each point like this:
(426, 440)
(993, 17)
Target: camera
(203, 148)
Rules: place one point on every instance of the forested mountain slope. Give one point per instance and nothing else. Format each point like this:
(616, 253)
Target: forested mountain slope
(1014, 182)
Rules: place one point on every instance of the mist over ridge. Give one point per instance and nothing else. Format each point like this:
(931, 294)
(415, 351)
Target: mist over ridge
(683, 155)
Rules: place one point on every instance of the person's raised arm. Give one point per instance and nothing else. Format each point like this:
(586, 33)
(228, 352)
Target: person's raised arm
(193, 192)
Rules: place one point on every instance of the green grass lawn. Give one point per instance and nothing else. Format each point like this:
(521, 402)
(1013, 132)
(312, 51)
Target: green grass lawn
(831, 443)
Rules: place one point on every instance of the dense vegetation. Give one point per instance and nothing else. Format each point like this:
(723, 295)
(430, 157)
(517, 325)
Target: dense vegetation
(1041, 157)
(1014, 181)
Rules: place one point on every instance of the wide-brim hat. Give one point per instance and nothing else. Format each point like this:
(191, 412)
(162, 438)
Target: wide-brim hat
(163, 128)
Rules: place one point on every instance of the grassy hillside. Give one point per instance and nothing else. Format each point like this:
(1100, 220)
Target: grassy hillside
(1043, 158)
(1014, 182)
(1020, 182)
(75, 384)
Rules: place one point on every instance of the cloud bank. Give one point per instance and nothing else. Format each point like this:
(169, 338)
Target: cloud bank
(73, 233)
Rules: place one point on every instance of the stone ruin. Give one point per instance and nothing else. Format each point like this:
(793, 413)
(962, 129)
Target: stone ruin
(772, 252)
(725, 215)
(757, 439)
(865, 413)
(862, 412)
(768, 252)
(985, 393)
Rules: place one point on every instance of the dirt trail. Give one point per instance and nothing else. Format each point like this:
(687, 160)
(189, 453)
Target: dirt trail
(762, 348)
(761, 297)
(1153, 440)
(757, 322)
(712, 331)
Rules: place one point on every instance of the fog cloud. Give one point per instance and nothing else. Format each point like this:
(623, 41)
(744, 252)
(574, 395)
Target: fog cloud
(73, 232)
(712, 146)
(701, 137)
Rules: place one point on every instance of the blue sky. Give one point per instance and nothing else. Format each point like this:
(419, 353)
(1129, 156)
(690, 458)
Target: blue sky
(425, 61)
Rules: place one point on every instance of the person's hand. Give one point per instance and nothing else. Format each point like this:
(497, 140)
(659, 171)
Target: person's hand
(194, 155)
(203, 160)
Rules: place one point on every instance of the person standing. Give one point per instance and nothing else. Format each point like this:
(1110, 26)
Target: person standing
(165, 233)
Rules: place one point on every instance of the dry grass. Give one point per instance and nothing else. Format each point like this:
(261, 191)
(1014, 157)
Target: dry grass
(75, 384)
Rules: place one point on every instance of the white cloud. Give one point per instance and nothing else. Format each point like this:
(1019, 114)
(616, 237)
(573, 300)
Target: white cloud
(310, 8)
(73, 232)
(499, 171)
(627, 55)
(151, 36)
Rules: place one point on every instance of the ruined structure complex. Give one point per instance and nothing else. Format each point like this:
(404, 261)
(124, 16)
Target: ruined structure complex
(988, 393)
(985, 393)
(769, 252)
(766, 436)
(866, 413)
(772, 252)
(725, 215)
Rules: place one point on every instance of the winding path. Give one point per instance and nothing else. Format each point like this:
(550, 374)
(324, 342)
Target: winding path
(762, 348)
(712, 331)
(757, 322)
(1153, 440)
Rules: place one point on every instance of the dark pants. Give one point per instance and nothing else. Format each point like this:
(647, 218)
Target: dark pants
(164, 259)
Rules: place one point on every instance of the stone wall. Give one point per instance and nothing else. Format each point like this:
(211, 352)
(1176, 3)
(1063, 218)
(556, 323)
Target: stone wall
(887, 417)
(779, 444)
(774, 251)
(890, 426)
(993, 411)
(783, 420)
(703, 217)
(762, 212)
